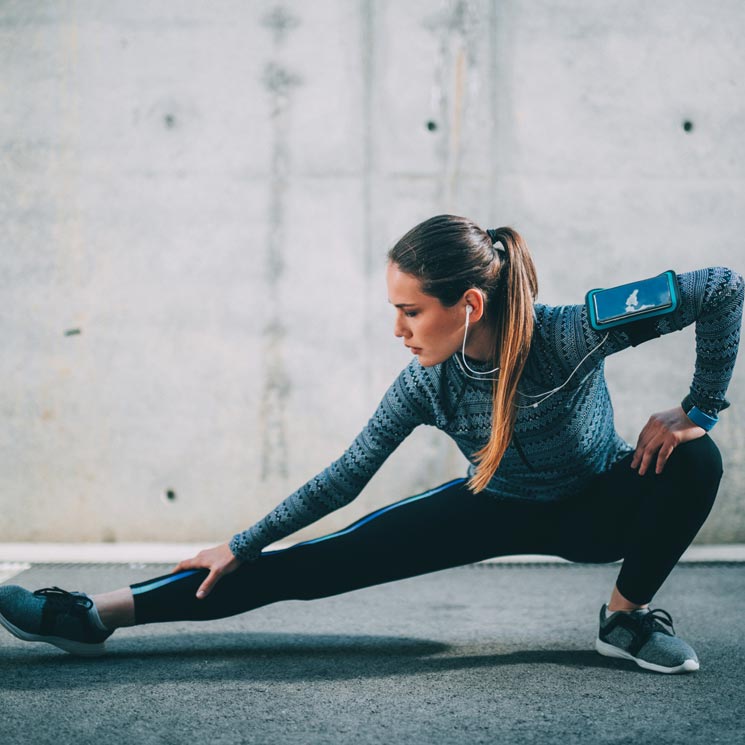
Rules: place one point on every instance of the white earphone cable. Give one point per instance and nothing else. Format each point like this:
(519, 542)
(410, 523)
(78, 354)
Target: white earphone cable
(478, 372)
(526, 395)
(558, 388)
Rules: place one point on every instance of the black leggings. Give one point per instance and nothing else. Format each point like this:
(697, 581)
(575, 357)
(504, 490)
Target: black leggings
(647, 520)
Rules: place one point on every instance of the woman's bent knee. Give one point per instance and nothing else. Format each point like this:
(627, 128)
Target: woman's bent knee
(699, 457)
(696, 468)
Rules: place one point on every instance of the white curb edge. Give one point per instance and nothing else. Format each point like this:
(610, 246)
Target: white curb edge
(12, 554)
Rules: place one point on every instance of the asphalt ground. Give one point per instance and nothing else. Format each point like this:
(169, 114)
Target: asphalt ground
(487, 653)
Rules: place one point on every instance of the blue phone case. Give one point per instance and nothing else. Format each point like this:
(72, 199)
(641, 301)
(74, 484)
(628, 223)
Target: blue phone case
(646, 298)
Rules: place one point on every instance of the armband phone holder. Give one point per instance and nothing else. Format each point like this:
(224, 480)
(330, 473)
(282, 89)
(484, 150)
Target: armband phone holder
(634, 303)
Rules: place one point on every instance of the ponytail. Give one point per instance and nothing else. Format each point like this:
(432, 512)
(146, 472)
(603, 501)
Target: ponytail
(511, 313)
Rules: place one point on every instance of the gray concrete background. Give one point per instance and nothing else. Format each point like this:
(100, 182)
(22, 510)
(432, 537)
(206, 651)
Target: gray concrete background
(197, 200)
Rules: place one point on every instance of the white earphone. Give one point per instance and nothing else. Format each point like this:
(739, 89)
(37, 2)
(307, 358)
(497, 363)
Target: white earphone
(469, 310)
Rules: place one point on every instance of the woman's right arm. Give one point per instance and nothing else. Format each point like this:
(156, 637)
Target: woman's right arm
(404, 405)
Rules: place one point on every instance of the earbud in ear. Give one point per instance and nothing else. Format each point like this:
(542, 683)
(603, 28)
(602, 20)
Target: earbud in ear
(469, 309)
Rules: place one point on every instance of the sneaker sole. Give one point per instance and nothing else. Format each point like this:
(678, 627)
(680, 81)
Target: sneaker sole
(609, 650)
(68, 645)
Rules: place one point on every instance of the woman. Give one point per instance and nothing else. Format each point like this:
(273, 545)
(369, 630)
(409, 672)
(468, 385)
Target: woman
(520, 387)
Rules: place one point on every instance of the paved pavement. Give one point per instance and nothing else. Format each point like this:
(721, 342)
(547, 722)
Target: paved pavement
(491, 653)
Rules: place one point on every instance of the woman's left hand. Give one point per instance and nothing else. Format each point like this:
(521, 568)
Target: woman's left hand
(661, 435)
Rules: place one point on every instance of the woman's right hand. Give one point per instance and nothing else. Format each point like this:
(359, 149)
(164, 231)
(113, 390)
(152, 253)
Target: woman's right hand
(219, 560)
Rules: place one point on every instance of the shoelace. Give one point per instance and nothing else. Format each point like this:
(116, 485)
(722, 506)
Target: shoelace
(60, 599)
(651, 622)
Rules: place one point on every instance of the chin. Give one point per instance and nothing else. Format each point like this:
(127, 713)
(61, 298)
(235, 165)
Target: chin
(428, 361)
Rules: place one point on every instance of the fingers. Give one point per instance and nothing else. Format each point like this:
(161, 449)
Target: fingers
(646, 453)
(649, 453)
(201, 561)
(206, 587)
(640, 450)
(664, 454)
(645, 448)
(643, 442)
(185, 564)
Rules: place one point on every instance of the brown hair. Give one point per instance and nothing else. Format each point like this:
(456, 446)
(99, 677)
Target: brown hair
(450, 255)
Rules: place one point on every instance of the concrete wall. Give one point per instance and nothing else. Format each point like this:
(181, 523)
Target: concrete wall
(197, 199)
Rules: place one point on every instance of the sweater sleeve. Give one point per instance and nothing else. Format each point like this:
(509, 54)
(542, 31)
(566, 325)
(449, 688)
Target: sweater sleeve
(404, 406)
(712, 298)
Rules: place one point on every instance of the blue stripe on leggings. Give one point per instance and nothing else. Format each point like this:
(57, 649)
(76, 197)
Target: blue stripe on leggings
(371, 516)
(161, 582)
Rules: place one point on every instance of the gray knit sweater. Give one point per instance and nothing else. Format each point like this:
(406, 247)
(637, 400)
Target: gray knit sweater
(556, 446)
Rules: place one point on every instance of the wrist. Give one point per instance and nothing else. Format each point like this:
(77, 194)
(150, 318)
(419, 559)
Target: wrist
(702, 419)
(235, 546)
(241, 550)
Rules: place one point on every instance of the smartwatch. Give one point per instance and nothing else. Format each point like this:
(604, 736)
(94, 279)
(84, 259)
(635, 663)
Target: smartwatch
(698, 417)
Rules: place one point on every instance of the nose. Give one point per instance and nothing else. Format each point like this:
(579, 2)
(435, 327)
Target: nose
(399, 329)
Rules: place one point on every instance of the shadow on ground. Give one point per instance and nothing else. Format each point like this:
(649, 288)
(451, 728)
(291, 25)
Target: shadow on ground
(269, 657)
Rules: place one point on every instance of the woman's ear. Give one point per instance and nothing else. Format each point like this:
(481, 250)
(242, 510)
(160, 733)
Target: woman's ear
(475, 299)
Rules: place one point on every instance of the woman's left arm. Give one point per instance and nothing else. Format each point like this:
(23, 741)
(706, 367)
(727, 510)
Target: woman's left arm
(713, 298)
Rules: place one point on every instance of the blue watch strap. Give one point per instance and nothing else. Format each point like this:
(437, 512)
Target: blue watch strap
(701, 419)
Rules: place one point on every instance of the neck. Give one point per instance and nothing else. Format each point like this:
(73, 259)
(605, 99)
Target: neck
(479, 343)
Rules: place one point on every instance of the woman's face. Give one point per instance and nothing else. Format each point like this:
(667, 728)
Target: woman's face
(432, 331)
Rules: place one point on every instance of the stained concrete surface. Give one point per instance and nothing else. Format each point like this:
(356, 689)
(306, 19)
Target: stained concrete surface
(197, 199)
(475, 654)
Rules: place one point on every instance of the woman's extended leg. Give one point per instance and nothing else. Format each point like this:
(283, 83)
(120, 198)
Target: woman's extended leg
(441, 528)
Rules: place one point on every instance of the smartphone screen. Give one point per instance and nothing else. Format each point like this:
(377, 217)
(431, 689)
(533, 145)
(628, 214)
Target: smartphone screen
(636, 297)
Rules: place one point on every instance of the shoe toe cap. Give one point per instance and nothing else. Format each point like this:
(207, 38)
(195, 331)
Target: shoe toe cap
(20, 606)
(669, 651)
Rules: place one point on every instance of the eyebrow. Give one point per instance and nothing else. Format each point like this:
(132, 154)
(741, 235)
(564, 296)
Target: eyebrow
(403, 305)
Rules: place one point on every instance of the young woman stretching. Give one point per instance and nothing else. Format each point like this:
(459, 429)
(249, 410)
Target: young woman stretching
(520, 387)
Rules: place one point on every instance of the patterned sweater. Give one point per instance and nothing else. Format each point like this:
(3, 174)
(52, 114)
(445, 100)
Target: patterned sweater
(558, 445)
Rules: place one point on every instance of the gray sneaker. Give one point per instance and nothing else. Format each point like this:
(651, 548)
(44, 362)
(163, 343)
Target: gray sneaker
(54, 616)
(641, 636)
